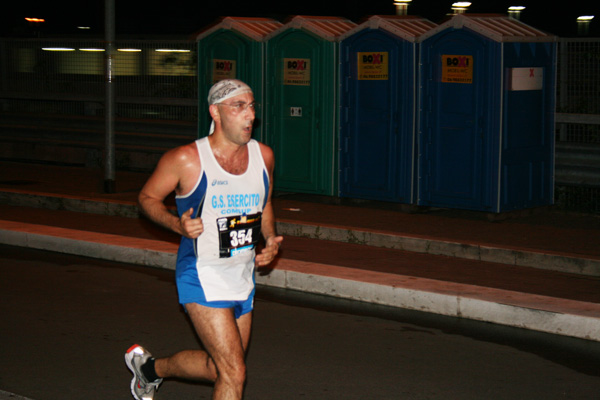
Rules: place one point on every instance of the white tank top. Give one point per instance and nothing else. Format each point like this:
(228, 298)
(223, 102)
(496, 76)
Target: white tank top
(230, 207)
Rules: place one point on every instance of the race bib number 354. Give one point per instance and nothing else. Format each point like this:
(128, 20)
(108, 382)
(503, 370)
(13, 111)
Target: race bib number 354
(238, 234)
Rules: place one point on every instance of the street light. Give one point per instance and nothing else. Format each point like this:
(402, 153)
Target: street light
(58, 49)
(583, 24)
(401, 6)
(460, 7)
(35, 24)
(515, 12)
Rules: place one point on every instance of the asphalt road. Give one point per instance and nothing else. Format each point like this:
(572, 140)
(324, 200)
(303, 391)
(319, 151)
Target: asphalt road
(66, 322)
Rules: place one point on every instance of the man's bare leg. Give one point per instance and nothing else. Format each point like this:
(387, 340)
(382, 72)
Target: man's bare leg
(225, 339)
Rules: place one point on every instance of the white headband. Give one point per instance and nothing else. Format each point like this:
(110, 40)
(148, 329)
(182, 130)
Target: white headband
(223, 90)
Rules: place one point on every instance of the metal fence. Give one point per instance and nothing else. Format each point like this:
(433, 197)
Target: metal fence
(151, 79)
(578, 126)
(156, 80)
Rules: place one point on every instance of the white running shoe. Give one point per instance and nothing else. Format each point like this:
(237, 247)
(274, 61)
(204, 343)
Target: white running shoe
(141, 389)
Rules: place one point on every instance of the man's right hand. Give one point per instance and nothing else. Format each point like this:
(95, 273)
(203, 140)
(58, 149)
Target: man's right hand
(191, 227)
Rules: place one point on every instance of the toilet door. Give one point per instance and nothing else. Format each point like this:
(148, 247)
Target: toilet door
(453, 138)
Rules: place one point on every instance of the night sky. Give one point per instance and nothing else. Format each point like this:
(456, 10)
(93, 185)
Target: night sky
(177, 17)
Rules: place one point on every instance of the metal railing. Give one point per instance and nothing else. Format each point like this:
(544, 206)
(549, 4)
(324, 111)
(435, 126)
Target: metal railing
(153, 79)
(578, 125)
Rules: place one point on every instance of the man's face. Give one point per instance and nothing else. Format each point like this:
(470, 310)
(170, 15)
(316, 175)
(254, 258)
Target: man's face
(237, 116)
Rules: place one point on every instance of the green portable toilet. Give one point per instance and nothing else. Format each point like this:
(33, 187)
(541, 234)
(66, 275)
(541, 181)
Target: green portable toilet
(233, 48)
(302, 103)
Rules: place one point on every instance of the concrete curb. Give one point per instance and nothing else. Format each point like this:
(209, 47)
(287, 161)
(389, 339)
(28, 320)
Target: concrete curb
(534, 312)
(69, 203)
(523, 258)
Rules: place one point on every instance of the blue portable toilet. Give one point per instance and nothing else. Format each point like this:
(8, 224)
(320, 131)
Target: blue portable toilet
(233, 48)
(302, 101)
(378, 89)
(486, 134)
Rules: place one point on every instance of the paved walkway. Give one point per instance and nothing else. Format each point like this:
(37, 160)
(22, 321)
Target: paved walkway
(537, 270)
(11, 396)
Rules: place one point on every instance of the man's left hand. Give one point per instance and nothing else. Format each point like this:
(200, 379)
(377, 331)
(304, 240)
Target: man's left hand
(269, 252)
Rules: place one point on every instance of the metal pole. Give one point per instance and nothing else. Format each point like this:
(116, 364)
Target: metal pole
(109, 152)
(563, 98)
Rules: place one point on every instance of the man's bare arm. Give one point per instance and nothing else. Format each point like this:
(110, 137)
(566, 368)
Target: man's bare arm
(165, 179)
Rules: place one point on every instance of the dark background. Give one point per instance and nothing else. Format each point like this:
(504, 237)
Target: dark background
(177, 17)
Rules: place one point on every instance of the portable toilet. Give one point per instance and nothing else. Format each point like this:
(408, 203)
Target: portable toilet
(233, 48)
(378, 82)
(486, 135)
(302, 101)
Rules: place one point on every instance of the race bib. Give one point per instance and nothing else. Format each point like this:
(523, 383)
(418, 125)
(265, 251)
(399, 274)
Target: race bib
(238, 234)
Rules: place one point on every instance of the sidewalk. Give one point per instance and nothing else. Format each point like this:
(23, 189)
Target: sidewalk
(11, 396)
(539, 271)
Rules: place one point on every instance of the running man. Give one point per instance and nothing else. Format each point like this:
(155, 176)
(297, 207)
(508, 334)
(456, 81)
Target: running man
(223, 186)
